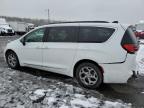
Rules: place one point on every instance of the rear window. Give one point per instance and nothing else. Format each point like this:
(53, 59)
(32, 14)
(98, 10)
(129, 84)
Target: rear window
(95, 34)
(129, 37)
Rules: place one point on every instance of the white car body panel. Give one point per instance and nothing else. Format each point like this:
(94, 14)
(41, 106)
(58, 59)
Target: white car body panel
(119, 73)
(58, 57)
(31, 54)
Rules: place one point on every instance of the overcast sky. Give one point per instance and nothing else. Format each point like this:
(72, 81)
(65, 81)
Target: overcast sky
(126, 11)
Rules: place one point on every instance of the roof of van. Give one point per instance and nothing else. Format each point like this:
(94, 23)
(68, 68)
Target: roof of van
(87, 23)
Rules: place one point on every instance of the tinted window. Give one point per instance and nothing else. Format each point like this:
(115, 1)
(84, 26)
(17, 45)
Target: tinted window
(95, 34)
(62, 34)
(35, 36)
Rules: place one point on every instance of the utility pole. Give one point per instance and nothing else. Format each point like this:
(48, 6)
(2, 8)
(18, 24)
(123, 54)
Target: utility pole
(48, 13)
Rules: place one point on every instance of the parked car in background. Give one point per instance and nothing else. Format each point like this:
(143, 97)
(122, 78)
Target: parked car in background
(93, 52)
(140, 34)
(21, 27)
(5, 28)
(30, 26)
(140, 30)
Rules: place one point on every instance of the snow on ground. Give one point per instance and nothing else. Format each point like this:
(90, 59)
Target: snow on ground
(140, 60)
(22, 90)
(66, 97)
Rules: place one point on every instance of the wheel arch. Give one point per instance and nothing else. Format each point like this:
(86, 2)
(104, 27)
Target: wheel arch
(83, 61)
(10, 50)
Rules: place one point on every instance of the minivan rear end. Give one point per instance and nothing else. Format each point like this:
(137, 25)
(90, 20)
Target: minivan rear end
(120, 72)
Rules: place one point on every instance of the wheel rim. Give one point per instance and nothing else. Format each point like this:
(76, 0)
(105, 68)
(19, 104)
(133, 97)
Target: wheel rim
(12, 60)
(88, 76)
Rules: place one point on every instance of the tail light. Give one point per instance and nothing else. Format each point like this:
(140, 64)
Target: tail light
(130, 48)
(130, 42)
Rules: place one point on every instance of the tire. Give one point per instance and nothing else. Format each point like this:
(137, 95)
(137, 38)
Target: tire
(89, 75)
(12, 60)
(11, 34)
(14, 33)
(2, 34)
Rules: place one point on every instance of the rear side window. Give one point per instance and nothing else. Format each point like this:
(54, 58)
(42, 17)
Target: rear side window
(62, 34)
(95, 34)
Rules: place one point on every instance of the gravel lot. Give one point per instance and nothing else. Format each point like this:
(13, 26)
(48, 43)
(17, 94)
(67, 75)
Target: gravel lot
(31, 88)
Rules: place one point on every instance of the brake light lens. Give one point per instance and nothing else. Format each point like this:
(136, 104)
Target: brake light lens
(130, 48)
(129, 41)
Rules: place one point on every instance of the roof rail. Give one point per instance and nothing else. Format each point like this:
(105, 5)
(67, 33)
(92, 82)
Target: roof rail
(81, 22)
(115, 22)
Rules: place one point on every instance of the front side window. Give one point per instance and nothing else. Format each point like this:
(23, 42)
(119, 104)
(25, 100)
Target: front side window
(35, 36)
(62, 34)
(95, 34)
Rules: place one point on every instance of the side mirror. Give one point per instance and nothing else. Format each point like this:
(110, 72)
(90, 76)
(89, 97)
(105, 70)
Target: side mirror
(23, 41)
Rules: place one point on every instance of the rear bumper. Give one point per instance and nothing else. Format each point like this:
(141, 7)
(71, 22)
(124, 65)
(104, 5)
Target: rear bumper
(119, 72)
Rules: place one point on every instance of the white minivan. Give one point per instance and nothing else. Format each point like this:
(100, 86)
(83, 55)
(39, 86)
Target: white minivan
(92, 52)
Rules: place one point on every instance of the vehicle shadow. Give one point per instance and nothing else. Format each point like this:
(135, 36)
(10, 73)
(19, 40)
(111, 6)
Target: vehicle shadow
(47, 74)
